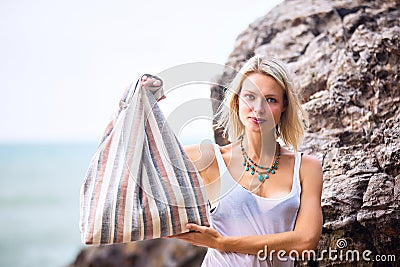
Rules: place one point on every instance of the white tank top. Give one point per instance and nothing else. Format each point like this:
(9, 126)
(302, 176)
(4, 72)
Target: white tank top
(239, 212)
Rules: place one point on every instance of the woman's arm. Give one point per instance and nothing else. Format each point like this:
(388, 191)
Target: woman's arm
(305, 235)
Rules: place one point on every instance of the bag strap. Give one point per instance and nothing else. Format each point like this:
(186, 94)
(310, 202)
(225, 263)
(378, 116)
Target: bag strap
(126, 99)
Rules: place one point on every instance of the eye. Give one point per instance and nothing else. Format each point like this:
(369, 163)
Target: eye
(271, 100)
(249, 96)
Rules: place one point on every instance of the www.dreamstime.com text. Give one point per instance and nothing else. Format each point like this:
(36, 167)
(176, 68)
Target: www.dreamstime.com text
(337, 254)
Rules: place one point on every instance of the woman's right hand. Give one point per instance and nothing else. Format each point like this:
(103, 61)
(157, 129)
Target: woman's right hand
(152, 83)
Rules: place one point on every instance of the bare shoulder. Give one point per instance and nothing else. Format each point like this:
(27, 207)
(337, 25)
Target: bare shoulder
(202, 155)
(310, 169)
(226, 150)
(309, 161)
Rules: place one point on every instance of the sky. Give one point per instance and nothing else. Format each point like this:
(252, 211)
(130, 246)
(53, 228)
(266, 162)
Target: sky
(64, 64)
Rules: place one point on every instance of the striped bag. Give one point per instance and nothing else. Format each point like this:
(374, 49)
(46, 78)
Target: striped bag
(140, 184)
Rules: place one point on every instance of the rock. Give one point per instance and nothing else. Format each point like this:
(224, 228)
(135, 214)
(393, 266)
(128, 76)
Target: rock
(150, 253)
(345, 58)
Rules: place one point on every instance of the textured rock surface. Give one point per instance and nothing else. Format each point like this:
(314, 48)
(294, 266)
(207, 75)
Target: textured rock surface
(152, 253)
(345, 56)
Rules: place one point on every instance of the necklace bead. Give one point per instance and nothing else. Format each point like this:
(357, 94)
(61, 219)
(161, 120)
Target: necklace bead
(251, 165)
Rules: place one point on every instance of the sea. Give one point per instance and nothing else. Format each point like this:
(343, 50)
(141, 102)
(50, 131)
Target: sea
(39, 202)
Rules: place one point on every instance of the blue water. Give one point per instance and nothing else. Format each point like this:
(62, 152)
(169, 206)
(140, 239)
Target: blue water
(39, 203)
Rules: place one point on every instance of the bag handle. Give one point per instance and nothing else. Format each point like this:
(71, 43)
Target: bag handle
(126, 99)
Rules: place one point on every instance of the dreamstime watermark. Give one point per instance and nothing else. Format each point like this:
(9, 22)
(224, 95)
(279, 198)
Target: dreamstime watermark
(340, 253)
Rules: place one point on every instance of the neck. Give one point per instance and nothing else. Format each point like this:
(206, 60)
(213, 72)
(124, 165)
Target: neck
(260, 147)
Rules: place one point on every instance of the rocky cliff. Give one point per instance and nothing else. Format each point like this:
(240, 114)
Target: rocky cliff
(345, 56)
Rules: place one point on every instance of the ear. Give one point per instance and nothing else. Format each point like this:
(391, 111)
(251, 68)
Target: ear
(284, 108)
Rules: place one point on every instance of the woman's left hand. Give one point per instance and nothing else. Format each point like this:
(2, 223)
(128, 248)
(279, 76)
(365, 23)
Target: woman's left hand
(203, 237)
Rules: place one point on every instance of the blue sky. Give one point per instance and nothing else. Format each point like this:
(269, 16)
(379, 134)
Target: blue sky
(64, 64)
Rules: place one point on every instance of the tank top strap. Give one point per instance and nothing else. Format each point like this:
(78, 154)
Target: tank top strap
(220, 160)
(215, 191)
(226, 181)
(296, 172)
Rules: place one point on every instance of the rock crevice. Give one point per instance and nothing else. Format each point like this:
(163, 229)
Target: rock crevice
(344, 56)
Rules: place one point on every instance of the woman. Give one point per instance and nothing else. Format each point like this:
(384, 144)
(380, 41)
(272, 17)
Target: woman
(265, 199)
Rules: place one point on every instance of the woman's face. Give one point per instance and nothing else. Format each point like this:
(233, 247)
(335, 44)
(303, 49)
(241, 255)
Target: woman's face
(261, 102)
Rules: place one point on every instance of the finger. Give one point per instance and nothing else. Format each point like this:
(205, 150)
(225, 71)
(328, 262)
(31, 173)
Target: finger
(146, 83)
(196, 227)
(157, 83)
(150, 82)
(143, 80)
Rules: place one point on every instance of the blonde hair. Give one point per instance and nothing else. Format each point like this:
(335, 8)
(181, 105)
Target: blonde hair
(293, 120)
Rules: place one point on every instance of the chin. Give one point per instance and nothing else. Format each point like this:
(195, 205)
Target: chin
(258, 128)
(253, 128)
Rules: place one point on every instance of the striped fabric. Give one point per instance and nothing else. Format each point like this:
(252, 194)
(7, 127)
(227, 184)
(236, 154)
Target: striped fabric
(140, 184)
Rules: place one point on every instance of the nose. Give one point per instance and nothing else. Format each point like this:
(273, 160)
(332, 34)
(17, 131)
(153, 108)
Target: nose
(259, 107)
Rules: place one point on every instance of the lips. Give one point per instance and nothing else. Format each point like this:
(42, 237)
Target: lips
(257, 120)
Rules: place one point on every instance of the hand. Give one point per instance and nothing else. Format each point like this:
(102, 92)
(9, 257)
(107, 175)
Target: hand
(203, 236)
(150, 82)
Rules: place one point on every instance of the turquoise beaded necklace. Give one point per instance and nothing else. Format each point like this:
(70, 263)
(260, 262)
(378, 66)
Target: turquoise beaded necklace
(263, 172)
